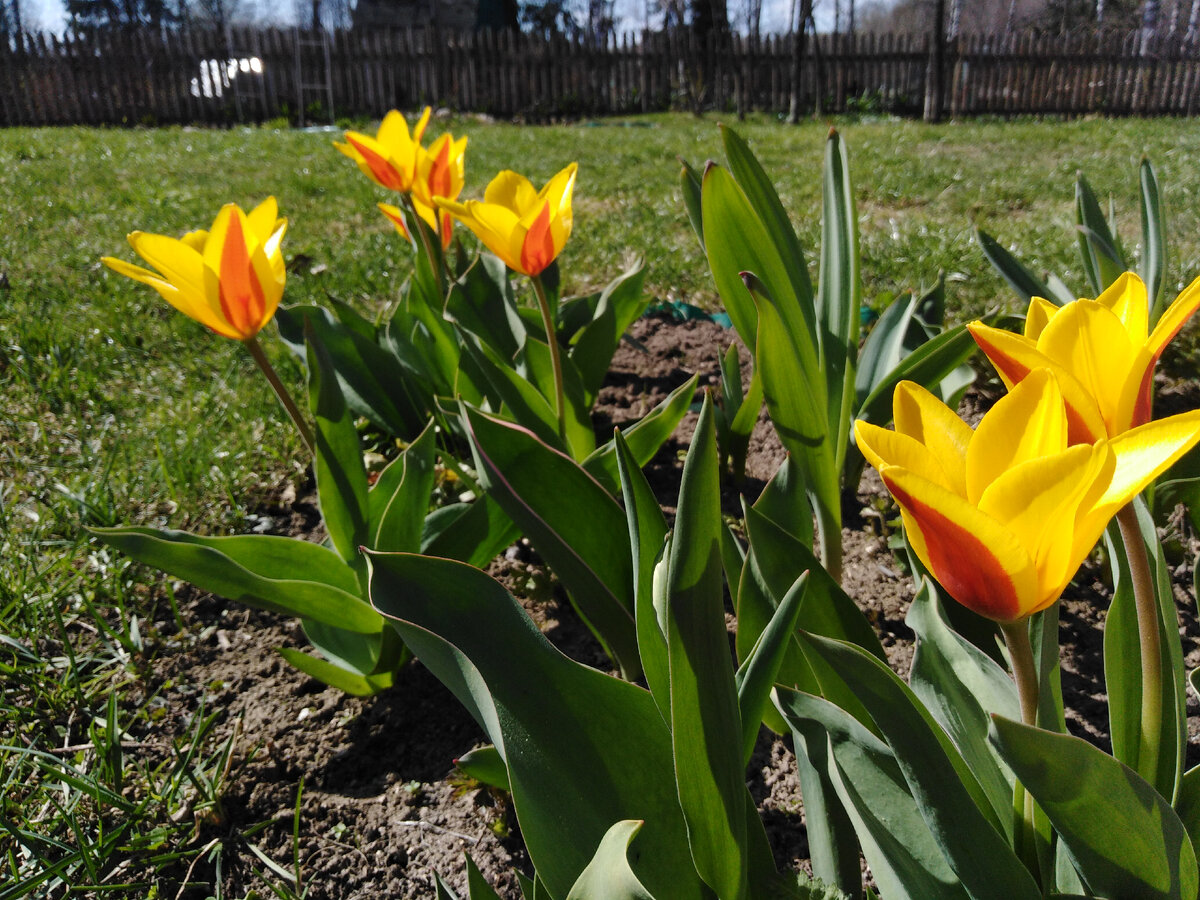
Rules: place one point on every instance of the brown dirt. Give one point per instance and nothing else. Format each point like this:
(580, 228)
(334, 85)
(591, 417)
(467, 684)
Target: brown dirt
(382, 807)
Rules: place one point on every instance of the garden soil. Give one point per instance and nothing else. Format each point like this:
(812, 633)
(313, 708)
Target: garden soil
(382, 807)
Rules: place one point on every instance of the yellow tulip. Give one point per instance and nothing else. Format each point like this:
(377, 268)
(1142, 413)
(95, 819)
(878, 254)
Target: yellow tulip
(1004, 515)
(396, 217)
(440, 171)
(392, 157)
(1102, 352)
(229, 278)
(525, 227)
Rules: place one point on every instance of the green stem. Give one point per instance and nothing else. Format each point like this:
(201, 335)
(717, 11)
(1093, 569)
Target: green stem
(1146, 603)
(829, 539)
(560, 404)
(419, 225)
(281, 392)
(1020, 653)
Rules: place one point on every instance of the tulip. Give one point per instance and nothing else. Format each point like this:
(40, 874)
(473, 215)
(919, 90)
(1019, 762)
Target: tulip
(440, 171)
(396, 217)
(525, 227)
(1102, 352)
(1004, 515)
(391, 158)
(229, 278)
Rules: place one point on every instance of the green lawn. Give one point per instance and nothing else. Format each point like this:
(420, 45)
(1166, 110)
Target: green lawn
(117, 409)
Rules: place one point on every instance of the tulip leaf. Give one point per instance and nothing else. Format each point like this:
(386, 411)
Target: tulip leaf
(961, 686)
(647, 534)
(399, 499)
(364, 654)
(839, 290)
(341, 478)
(552, 720)
(644, 437)
(947, 792)
(618, 307)
(1020, 279)
(1154, 241)
(690, 186)
(285, 575)
(1097, 248)
(608, 876)
(471, 532)
(535, 363)
(372, 380)
(481, 301)
(485, 765)
(784, 502)
(353, 683)
(705, 727)
(477, 886)
(571, 520)
(1123, 837)
(904, 857)
(1187, 803)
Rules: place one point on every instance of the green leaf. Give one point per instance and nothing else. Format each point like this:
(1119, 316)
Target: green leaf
(399, 499)
(284, 575)
(570, 519)
(553, 720)
(1123, 837)
(705, 728)
(961, 686)
(1020, 279)
(481, 301)
(947, 792)
(473, 532)
(364, 654)
(341, 477)
(443, 890)
(477, 886)
(784, 502)
(902, 852)
(1154, 240)
(485, 765)
(839, 290)
(1099, 251)
(535, 363)
(352, 683)
(374, 384)
(608, 876)
(1187, 803)
(689, 185)
(593, 346)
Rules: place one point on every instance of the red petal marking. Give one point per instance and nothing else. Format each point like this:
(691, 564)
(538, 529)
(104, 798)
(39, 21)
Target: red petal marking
(447, 230)
(1077, 428)
(962, 563)
(1141, 408)
(439, 173)
(538, 250)
(241, 295)
(384, 172)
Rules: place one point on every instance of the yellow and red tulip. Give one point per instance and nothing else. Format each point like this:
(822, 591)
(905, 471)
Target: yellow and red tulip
(392, 157)
(1102, 351)
(1004, 515)
(440, 170)
(229, 278)
(525, 227)
(396, 217)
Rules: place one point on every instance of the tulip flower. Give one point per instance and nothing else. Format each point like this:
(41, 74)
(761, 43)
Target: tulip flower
(1004, 515)
(1102, 352)
(525, 227)
(391, 158)
(440, 171)
(229, 278)
(396, 217)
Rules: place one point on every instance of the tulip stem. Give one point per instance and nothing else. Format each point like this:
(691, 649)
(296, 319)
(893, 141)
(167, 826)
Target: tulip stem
(281, 392)
(419, 227)
(560, 405)
(1146, 603)
(1020, 654)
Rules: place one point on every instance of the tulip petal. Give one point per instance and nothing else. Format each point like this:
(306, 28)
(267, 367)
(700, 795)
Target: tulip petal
(1015, 357)
(184, 267)
(1174, 318)
(393, 131)
(395, 217)
(185, 303)
(1040, 312)
(1145, 452)
(378, 164)
(1126, 297)
(924, 417)
(976, 560)
(883, 447)
(1026, 423)
(511, 191)
(537, 247)
(242, 297)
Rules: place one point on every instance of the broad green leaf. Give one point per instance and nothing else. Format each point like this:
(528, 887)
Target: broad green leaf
(471, 532)
(352, 683)
(481, 302)
(1187, 803)
(353, 320)
(1122, 656)
(574, 523)
(554, 723)
(785, 502)
(705, 727)
(839, 290)
(947, 792)
(608, 876)
(1123, 837)
(961, 686)
(689, 185)
(757, 674)
(902, 852)
(647, 535)
(365, 654)
(399, 499)
(535, 363)
(442, 890)
(593, 346)
(485, 765)
(372, 381)
(1154, 240)
(477, 886)
(341, 477)
(284, 575)
(1099, 251)
(1020, 279)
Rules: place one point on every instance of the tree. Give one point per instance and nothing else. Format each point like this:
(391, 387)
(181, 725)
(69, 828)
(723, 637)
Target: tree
(548, 18)
(87, 15)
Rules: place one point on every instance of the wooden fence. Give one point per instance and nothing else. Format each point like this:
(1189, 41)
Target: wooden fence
(251, 75)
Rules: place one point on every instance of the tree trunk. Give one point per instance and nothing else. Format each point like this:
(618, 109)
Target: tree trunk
(936, 69)
(798, 60)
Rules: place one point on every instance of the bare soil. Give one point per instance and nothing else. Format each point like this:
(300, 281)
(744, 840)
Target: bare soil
(382, 805)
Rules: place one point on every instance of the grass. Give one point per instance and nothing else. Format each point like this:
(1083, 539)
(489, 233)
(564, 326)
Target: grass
(117, 409)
